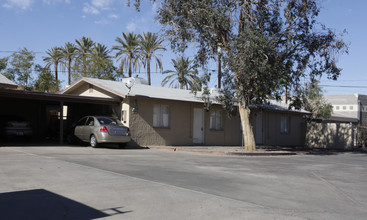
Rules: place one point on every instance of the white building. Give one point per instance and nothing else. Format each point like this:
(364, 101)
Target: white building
(350, 105)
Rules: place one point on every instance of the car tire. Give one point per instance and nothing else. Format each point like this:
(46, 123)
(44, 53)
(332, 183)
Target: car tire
(93, 141)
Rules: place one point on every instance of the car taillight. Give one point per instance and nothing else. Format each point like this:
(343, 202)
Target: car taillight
(9, 124)
(128, 131)
(103, 129)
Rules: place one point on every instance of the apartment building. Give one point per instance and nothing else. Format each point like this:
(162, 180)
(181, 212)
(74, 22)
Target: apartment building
(350, 105)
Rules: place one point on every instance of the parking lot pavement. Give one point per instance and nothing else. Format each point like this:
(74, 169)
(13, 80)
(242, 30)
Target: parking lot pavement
(84, 183)
(231, 150)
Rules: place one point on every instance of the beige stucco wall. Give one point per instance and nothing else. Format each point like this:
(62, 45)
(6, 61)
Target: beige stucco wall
(231, 133)
(90, 90)
(271, 129)
(331, 135)
(180, 131)
(141, 123)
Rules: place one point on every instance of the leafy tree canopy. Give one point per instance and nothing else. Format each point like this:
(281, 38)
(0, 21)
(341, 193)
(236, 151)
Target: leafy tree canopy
(3, 63)
(314, 101)
(46, 81)
(268, 45)
(20, 69)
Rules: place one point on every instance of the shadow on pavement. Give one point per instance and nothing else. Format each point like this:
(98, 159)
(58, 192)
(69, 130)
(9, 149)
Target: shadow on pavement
(39, 204)
(21, 142)
(313, 151)
(32, 142)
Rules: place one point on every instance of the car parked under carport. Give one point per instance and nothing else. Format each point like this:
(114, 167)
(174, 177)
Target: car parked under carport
(101, 129)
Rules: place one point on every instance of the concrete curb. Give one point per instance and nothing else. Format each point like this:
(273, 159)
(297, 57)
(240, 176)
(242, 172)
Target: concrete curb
(225, 153)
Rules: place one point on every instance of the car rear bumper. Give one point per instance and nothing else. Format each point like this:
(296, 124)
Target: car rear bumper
(18, 132)
(105, 138)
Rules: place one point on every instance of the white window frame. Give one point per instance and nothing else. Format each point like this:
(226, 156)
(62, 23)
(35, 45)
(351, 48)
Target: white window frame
(161, 116)
(216, 120)
(284, 124)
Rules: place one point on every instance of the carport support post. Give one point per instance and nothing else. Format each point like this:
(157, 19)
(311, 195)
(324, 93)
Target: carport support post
(61, 123)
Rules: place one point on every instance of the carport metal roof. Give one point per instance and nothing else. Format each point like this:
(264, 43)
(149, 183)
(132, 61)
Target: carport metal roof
(11, 93)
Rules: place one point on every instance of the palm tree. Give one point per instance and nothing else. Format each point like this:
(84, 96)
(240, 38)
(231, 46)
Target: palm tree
(83, 51)
(101, 62)
(54, 57)
(100, 51)
(184, 75)
(149, 44)
(127, 49)
(68, 52)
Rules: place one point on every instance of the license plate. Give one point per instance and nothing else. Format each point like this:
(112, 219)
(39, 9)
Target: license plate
(20, 133)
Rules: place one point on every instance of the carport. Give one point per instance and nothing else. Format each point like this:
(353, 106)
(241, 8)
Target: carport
(52, 115)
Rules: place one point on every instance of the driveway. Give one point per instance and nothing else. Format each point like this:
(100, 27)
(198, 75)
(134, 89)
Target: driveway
(85, 183)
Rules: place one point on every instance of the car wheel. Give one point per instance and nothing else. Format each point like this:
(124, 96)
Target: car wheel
(93, 141)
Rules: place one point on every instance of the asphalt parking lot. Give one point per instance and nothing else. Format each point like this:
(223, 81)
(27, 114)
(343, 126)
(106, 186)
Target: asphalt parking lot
(84, 183)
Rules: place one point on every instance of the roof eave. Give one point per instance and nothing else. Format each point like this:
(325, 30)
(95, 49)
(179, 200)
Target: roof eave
(85, 80)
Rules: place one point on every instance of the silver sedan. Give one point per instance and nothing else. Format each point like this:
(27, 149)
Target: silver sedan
(102, 129)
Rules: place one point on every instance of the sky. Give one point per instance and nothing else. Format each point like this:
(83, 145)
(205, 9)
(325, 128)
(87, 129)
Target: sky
(40, 25)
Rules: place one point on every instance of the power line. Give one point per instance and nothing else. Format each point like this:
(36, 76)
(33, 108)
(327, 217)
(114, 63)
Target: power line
(11, 51)
(353, 80)
(66, 71)
(340, 86)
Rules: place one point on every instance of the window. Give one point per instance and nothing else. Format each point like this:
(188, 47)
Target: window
(351, 107)
(344, 107)
(108, 121)
(90, 121)
(216, 120)
(284, 124)
(337, 107)
(82, 121)
(161, 116)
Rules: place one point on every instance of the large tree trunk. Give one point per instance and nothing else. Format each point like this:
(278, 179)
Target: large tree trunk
(148, 70)
(56, 75)
(69, 72)
(248, 134)
(130, 68)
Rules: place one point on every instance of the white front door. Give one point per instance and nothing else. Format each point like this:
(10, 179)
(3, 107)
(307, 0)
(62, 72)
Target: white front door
(259, 128)
(198, 126)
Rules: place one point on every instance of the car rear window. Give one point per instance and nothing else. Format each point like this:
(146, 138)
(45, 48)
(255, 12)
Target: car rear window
(108, 121)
